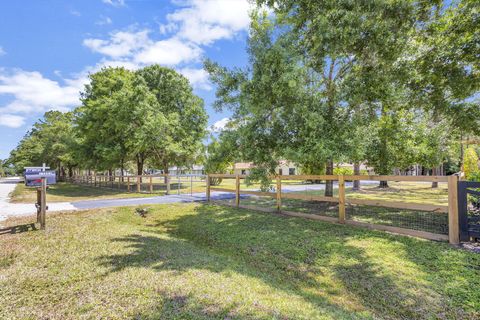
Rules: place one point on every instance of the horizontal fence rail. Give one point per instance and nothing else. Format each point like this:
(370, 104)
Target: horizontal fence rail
(431, 221)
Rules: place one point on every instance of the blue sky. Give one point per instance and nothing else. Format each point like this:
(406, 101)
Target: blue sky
(47, 49)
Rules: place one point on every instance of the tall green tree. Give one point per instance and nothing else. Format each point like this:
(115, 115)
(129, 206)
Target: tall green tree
(443, 56)
(267, 99)
(99, 120)
(148, 116)
(52, 141)
(179, 120)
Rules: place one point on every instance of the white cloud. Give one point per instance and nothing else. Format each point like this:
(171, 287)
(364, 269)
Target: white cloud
(33, 93)
(196, 24)
(11, 121)
(104, 21)
(120, 44)
(75, 13)
(168, 52)
(115, 3)
(2, 52)
(197, 77)
(138, 49)
(205, 21)
(220, 125)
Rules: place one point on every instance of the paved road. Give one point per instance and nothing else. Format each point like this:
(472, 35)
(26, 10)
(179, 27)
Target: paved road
(8, 209)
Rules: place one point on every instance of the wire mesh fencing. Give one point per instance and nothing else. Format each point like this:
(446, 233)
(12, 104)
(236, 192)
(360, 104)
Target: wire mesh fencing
(406, 204)
(154, 184)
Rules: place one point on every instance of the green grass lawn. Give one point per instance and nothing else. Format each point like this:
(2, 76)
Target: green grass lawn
(198, 261)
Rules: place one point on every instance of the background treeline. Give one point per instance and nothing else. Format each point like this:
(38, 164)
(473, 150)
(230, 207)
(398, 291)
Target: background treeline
(387, 83)
(127, 120)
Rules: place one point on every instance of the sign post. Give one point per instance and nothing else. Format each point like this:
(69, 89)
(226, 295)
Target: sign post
(43, 203)
(33, 175)
(40, 179)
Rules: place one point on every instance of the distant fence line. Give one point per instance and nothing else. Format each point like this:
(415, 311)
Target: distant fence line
(452, 224)
(136, 183)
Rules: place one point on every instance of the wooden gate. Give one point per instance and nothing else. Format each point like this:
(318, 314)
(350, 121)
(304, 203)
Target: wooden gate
(469, 210)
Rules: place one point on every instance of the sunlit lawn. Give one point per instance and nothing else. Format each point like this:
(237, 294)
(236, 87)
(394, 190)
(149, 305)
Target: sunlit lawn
(196, 261)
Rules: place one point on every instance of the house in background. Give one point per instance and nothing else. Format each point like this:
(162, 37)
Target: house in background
(194, 169)
(288, 168)
(285, 168)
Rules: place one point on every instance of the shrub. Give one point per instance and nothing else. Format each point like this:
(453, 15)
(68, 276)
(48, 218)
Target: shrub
(470, 164)
(347, 171)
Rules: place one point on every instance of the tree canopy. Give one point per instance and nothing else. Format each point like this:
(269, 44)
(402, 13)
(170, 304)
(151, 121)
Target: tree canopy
(334, 81)
(149, 116)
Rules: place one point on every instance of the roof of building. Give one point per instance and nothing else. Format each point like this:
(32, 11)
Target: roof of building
(243, 165)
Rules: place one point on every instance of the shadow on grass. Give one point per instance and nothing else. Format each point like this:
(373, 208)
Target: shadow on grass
(189, 307)
(18, 229)
(296, 256)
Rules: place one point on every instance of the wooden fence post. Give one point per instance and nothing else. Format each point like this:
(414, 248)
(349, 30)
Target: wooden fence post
(43, 203)
(279, 194)
(208, 187)
(151, 185)
(453, 227)
(167, 179)
(341, 198)
(128, 184)
(39, 201)
(237, 191)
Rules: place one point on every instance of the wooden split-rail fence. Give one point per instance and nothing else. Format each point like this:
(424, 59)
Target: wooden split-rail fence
(451, 210)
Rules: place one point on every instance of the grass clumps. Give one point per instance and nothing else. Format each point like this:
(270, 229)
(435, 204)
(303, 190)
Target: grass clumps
(197, 261)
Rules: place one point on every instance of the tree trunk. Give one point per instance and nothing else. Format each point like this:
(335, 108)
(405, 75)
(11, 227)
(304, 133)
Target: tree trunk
(434, 173)
(356, 172)
(140, 162)
(384, 167)
(139, 165)
(383, 184)
(460, 165)
(70, 172)
(122, 169)
(329, 183)
(165, 171)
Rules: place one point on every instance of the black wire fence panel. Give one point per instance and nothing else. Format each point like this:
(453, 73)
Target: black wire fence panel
(259, 201)
(225, 199)
(155, 184)
(435, 222)
(321, 208)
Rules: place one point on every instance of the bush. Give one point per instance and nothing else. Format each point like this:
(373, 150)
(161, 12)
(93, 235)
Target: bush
(470, 164)
(347, 171)
(344, 171)
(474, 176)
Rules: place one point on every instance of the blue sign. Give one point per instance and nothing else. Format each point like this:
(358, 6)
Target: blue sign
(33, 176)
